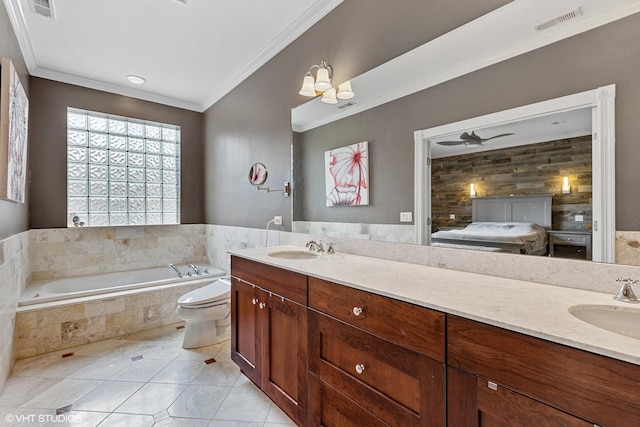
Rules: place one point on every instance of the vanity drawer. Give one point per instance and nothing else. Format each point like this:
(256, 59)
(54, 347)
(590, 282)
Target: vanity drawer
(416, 328)
(397, 385)
(592, 387)
(285, 283)
(333, 409)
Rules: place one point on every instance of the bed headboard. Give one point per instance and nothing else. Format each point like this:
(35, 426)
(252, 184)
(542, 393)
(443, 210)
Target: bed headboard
(535, 209)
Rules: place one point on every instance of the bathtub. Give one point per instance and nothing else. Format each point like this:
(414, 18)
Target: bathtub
(83, 286)
(61, 314)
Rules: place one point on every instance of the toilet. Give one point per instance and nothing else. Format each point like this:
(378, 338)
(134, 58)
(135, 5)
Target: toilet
(207, 311)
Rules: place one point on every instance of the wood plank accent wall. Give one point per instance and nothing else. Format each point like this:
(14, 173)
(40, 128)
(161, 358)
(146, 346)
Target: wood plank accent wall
(528, 169)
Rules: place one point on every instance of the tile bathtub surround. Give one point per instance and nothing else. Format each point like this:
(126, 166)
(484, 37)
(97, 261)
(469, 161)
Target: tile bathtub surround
(63, 252)
(166, 385)
(14, 268)
(45, 330)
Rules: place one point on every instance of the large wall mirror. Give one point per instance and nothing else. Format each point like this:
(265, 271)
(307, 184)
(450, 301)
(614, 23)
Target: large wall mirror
(587, 165)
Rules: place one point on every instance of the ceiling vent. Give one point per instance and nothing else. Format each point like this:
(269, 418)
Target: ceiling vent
(569, 16)
(44, 8)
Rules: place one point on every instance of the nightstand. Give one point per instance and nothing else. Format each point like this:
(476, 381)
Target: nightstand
(570, 244)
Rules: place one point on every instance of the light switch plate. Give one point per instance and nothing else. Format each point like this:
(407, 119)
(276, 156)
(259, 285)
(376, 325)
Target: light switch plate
(452, 216)
(406, 216)
(579, 218)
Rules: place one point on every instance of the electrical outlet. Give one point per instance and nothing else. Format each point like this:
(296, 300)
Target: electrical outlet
(452, 216)
(579, 218)
(277, 220)
(406, 216)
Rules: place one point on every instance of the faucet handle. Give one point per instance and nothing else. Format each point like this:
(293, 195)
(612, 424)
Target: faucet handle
(626, 294)
(330, 249)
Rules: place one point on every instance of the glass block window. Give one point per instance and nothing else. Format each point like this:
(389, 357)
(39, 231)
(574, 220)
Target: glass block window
(121, 171)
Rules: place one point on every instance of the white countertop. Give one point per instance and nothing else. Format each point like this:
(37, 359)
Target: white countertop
(531, 308)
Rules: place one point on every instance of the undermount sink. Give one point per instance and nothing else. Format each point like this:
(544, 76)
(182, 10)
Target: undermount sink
(294, 254)
(621, 320)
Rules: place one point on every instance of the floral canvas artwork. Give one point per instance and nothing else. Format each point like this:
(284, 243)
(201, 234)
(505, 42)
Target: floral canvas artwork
(347, 175)
(14, 114)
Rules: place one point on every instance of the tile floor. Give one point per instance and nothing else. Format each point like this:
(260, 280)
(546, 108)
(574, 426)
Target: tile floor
(146, 379)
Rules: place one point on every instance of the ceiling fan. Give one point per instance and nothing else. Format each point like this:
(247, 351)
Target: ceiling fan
(472, 139)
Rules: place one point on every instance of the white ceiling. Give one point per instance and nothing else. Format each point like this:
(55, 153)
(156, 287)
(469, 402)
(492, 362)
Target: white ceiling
(499, 35)
(193, 54)
(190, 54)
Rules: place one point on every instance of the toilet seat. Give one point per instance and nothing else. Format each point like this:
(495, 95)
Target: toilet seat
(213, 294)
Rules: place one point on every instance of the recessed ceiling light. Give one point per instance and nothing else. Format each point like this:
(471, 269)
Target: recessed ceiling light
(136, 80)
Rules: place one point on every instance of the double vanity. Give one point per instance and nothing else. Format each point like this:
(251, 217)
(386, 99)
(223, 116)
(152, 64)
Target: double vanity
(340, 340)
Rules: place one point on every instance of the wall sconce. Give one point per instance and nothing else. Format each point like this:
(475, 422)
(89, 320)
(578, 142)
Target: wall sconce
(322, 85)
(472, 190)
(566, 188)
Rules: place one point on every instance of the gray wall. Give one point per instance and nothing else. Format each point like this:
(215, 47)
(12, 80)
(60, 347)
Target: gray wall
(48, 146)
(253, 122)
(14, 217)
(610, 54)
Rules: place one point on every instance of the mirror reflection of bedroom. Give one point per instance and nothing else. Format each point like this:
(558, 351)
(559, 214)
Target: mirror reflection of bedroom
(523, 187)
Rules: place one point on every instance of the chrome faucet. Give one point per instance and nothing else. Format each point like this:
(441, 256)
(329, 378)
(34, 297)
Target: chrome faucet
(315, 246)
(176, 269)
(625, 294)
(194, 268)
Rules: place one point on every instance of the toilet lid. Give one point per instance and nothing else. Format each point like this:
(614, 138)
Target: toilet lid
(218, 290)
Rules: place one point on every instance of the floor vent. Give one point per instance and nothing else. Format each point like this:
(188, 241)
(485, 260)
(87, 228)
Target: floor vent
(569, 16)
(44, 8)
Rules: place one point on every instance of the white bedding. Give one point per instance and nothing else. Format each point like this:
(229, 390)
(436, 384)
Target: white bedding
(531, 236)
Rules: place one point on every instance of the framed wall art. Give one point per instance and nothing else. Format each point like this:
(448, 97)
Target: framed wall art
(14, 117)
(347, 175)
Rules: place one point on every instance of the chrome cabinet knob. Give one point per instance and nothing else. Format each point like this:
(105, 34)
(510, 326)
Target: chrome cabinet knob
(359, 368)
(357, 311)
(254, 301)
(262, 305)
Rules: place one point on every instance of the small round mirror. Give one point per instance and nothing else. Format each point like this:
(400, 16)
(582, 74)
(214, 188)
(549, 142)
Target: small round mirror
(258, 174)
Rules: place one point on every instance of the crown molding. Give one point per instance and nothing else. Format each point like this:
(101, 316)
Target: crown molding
(112, 88)
(292, 32)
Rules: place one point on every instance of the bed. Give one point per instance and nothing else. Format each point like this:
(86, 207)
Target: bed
(514, 224)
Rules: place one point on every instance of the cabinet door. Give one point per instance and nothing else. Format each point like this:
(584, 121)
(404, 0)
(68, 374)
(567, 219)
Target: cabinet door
(284, 346)
(593, 387)
(245, 351)
(474, 402)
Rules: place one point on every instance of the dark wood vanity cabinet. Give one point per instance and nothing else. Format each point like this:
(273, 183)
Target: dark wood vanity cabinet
(497, 377)
(373, 360)
(269, 332)
(331, 355)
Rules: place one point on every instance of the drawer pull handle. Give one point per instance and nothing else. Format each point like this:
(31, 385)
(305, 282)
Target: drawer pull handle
(357, 311)
(360, 368)
(254, 301)
(262, 305)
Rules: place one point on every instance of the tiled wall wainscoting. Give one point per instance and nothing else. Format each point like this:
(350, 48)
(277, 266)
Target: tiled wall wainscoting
(56, 327)
(14, 271)
(557, 271)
